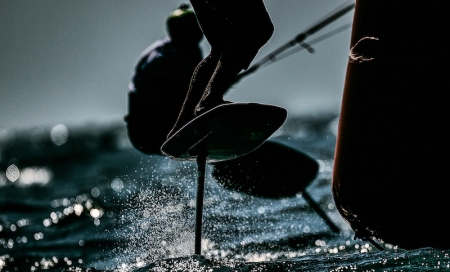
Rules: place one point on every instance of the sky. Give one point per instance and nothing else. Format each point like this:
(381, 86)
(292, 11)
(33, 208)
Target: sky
(70, 62)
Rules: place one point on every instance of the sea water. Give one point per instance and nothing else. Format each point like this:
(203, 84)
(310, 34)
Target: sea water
(81, 198)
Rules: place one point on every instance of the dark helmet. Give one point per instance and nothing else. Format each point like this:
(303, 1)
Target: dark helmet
(182, 25)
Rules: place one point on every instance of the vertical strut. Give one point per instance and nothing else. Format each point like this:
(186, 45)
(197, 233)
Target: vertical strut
(201, 166)
(320, 212)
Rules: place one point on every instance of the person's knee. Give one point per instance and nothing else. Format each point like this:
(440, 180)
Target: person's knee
(258, 34)
(265, 32)
(247, 42)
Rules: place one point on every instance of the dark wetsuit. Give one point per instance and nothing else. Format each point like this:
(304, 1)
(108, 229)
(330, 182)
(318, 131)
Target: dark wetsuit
(156, 92)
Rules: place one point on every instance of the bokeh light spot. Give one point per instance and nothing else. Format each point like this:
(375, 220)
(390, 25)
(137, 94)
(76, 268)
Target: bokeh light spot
(78, 208)
(59, 134)
(333, 126)
(95, 192)
(47, 222)
(117, 185)
(35, 176)
(95, 213)
(12, 173)
(2, 179)
(307, 133)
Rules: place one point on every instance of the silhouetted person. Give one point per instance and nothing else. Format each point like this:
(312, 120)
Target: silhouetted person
(161, 80)
(235, 30)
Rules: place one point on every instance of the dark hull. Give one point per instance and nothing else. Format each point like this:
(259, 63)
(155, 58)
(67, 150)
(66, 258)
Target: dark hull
(389, 175)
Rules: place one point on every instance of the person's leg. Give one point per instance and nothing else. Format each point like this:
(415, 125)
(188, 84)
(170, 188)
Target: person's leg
(252, 28)
(200, 79)
(217, 30)
(236, 31)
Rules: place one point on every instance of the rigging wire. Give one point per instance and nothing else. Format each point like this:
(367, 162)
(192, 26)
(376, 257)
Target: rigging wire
(308, 44)
(299, 39)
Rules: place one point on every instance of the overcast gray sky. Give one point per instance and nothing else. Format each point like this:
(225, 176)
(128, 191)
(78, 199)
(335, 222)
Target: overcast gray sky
(71, 61)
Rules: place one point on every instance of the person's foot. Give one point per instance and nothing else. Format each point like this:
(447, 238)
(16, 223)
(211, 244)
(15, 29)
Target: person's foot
(185, 117)
(203, 107)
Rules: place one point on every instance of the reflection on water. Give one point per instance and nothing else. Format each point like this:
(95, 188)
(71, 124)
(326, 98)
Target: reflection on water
(87, 201)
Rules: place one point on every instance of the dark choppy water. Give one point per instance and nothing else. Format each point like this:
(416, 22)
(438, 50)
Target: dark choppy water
(80, 198)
